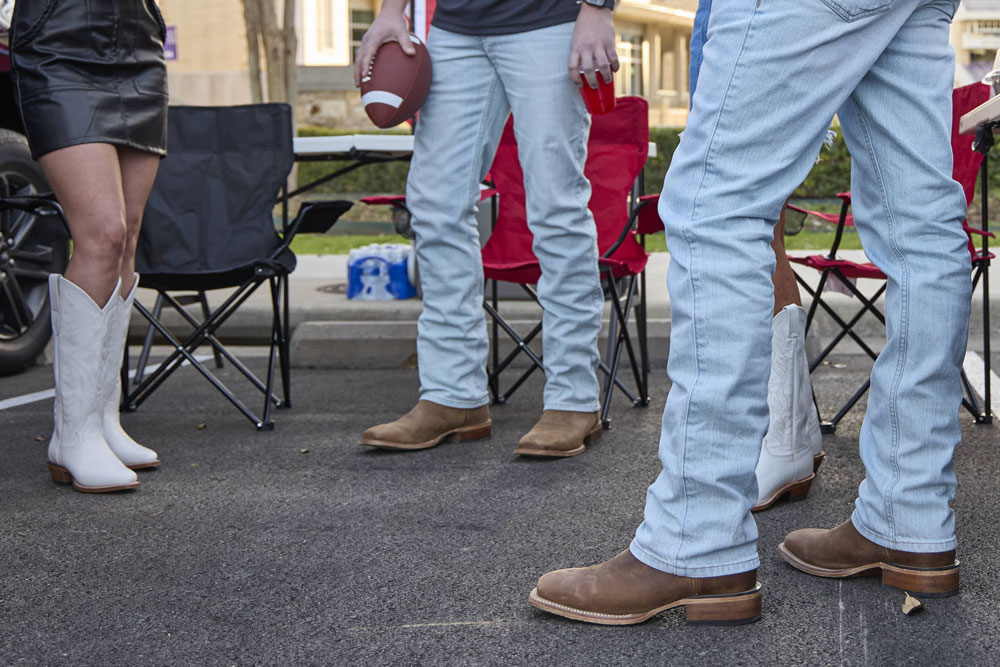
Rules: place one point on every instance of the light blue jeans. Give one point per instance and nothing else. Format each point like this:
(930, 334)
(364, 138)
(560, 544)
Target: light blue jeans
(477, 81)
(774, 74)
(699, 35)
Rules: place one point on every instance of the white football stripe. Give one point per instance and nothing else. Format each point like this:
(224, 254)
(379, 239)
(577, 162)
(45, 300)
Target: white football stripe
(382, 97)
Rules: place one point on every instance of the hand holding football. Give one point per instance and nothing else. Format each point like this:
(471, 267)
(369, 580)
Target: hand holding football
(396, 84)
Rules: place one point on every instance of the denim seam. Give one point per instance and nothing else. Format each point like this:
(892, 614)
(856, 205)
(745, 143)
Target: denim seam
(694, 283)
(920, 547)
(720, 570)
(451, 403)
(902, 323)
(573, 407)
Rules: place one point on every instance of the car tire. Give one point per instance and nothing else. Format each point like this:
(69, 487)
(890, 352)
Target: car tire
(25, 332)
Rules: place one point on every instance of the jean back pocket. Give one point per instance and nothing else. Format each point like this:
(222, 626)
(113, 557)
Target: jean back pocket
(852, 10)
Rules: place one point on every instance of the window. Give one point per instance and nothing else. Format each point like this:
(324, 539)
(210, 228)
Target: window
(361, 20)
(628, 81)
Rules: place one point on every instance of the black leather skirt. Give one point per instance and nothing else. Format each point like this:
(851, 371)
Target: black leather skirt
(90, 71)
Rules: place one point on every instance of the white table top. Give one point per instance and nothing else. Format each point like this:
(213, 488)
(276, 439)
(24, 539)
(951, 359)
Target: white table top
(987, 112)
(389, 145)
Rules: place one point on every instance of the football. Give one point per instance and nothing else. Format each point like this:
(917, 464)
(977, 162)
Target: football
(396, 84)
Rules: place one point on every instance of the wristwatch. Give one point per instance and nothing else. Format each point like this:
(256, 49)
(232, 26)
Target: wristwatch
(600, 4)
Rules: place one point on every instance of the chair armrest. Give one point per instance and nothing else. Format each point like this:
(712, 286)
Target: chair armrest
(44, 204)
(844, 197)
(392, 200)
(400, 214)
(832, 218)
(648, 219)
(317, 217)
(977, 232)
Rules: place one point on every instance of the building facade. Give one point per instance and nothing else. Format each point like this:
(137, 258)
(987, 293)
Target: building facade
(211, 63)
(975, 34)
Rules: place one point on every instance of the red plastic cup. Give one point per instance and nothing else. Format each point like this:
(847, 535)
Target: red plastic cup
(601, 99)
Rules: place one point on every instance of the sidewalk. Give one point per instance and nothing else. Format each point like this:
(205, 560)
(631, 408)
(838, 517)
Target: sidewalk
(331, 331)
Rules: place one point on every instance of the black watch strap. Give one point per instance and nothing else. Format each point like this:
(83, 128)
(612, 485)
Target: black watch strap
(602, 4)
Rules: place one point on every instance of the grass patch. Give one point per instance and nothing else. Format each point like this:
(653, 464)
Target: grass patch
(342, 244)
(321, 244)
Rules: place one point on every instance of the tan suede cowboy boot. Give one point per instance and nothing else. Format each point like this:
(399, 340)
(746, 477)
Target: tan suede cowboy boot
(560, 433)
(844, 552)
(428, 424)
(623, 591)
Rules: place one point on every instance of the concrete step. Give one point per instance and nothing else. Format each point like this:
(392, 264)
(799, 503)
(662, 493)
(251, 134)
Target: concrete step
(331, 331)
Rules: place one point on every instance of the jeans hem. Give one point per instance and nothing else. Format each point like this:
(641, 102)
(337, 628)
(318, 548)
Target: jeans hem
(683, 571)
(452, 402)
(912, 547)
(573, 407)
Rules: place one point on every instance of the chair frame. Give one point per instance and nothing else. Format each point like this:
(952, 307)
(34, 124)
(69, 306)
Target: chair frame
(270, 271)
(980, 268)
(619, 337)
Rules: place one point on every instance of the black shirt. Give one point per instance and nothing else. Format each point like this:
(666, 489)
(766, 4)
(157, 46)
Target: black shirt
(502, 17)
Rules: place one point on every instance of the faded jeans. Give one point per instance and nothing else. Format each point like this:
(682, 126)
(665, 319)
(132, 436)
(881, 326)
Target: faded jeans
(774, 74)
(477, 81)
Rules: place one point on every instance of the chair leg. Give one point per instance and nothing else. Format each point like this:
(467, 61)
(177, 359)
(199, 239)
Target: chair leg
(969, 400)
(166, 368)
(147, 343)
(846, 329)
(642, 323)
(207, 334)
(206, 313)
(273, 352)
(495, 340)
(987, 416)
(522, 346)
(283, 351)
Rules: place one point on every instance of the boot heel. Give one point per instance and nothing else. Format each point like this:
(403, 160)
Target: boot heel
(594, 435)
(725, 610)
(800, 490)
(933, 583)
(818, 461)
(475, 432)
(59, 474)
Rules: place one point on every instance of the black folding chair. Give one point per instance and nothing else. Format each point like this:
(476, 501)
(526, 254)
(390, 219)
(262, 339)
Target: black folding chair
(209, 225)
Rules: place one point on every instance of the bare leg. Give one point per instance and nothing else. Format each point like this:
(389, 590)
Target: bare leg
(138, 170)
(786, 290)
(87, 182)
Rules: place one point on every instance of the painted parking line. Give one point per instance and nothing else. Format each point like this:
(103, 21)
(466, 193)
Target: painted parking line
(974, 370)
(37, 396)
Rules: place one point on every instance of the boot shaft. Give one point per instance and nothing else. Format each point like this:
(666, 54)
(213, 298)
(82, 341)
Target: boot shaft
(80, 342)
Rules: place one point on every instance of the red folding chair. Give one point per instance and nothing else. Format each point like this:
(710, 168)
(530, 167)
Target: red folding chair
(967, 163)
(616, 152)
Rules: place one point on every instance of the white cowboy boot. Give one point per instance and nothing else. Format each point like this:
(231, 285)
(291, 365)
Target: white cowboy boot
(128, 451)
(806, 417)
(786, 457)
(78, 452)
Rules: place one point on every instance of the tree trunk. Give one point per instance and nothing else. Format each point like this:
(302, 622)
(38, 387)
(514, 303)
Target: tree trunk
(274, 52)
(251, 16)
(290, 44)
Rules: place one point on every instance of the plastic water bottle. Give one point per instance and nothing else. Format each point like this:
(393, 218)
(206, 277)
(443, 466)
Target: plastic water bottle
(379, 272)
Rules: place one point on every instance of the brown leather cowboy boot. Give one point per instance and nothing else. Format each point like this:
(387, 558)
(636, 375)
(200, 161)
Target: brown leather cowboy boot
(560, 433)
(844, 552)
(428, 424)
(623, 591)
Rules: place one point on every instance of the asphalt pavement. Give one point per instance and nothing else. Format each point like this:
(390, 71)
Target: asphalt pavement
(298, 547)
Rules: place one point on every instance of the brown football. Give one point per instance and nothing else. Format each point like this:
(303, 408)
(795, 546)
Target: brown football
(396, 84)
